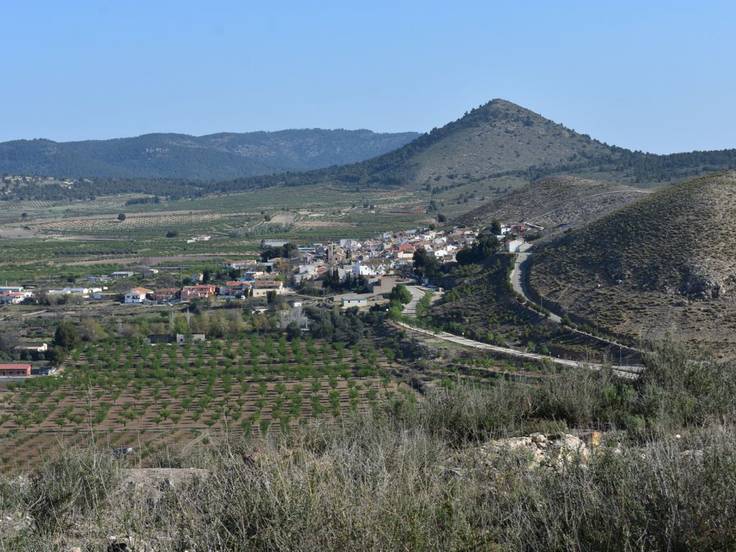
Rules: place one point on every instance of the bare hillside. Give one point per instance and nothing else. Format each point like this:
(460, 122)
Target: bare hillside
(665, 265)
(556, 203)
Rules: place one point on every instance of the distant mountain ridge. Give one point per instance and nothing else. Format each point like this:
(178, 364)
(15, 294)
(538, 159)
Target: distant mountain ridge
(487, 144)
(218, 156)
(500, 139)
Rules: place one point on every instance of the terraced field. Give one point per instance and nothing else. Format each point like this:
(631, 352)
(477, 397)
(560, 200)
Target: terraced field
(155, 396)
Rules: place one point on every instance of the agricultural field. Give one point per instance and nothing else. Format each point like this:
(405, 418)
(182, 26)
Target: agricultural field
(151, 397)
(42, 238)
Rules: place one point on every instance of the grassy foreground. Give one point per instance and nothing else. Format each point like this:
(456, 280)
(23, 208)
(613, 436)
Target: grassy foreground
(417, 477)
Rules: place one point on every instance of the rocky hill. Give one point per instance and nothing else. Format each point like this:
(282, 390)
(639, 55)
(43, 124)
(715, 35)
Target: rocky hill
(211, 157)
(557, 203)
(501, 139)
(664, 265)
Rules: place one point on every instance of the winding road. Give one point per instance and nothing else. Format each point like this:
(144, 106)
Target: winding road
(627, 372)
(517, 278)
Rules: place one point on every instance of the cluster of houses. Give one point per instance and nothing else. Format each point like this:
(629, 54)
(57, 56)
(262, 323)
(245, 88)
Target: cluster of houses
(14, 295)
(344, 259)
(381, 255)
(253, 282)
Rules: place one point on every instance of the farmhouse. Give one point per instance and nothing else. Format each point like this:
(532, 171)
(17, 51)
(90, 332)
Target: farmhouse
(261, 288)
(15, 370)
(136, 296)
(203, 291)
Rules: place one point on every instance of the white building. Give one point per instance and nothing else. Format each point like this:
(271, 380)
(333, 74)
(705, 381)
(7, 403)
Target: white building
(514, 245)
(136, 296)
(355, 300)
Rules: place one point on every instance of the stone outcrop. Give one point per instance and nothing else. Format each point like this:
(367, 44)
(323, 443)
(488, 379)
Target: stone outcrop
(539, 450)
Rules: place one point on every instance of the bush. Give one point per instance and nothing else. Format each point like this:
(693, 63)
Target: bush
(71, 486)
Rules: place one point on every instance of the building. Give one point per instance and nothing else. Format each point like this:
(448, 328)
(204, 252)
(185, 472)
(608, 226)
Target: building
(11, 288)
(181, 339)
(148, 272)
(15, 370)
(137, 296)
(234, 288)
(14, 297)
(165, 295)
(261, 288)
(42, 348)
(79, 292)
(242, 265)
(202, 291)
(514, 245)
(265, 244)
(354, 300)
(406, 251)
(120, 274)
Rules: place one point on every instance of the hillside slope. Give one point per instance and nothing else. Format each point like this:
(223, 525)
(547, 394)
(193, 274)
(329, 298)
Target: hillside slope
(663, 265)
(501, 139)
(215, 156)
(556, 203)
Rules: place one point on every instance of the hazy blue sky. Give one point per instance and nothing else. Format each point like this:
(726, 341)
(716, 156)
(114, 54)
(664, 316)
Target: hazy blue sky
(654, 75)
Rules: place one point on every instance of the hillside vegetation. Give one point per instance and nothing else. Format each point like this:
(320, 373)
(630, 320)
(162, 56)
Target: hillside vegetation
(500, 139)
(556, 203)
(210, 157)
(463, 469)
(663, 265)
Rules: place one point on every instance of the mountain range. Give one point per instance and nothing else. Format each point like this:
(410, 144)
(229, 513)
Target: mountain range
(501, 139)
(485, 147)
(210, 157)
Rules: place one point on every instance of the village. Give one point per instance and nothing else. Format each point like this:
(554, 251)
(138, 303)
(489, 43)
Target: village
(346, 273)
(283, 268)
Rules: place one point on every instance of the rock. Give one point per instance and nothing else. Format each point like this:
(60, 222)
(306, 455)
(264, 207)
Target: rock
(539, 450)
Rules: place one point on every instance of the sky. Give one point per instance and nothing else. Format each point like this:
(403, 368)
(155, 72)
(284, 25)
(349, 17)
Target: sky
(656, 76)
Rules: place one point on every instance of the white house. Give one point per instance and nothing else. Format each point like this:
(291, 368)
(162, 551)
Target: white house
(136, 296)
(514, 245)
(355, 300)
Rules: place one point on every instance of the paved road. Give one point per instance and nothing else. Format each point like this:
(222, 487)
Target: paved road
(516, 283)
(417, 292)
(516, 279)
(628, 372)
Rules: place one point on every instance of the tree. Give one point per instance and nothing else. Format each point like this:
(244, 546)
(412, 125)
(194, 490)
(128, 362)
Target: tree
(495, 228)
(121, 217)
(401, 294)
(425, 265)
(441, 218)
(66, 335)
(481, 250)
